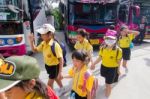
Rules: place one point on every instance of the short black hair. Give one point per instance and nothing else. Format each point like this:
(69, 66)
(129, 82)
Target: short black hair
(79, 55)
(123, 27)
(82, 32)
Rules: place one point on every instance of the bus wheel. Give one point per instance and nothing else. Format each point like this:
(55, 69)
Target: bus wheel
(29, 53)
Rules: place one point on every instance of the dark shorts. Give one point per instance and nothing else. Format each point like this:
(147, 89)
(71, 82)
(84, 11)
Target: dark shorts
(110, 74)
(126, 53)
(52, 71)
(77, 96)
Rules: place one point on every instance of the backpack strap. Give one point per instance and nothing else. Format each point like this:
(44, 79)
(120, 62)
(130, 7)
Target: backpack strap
(86, 76)
(117, 52)
(94, 88)
(53, 48)
(95, 84)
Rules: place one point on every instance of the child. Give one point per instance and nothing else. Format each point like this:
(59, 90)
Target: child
(77, 73)
(2, 95)
(53, 64)
(22, 81)
(111, 31)
(124, 41)
(84, 45)
(111, 55)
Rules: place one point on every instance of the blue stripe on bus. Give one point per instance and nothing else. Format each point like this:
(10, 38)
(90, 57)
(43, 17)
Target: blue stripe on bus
(93, 27)
(6, 43)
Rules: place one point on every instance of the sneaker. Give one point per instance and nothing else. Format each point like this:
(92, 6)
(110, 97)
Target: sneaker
(62, 91)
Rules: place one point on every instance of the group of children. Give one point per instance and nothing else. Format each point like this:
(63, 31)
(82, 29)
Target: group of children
(112, 51)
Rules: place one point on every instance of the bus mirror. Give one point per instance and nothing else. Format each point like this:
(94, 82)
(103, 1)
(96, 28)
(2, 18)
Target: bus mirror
(14, 8)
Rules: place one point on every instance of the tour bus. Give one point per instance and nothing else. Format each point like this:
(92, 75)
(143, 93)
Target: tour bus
(15, 24)
(95, 16)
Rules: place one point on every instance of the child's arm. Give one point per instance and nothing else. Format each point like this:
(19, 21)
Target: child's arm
(119, 62)
(69, 74)
(90, 53)
(134, 32)
(95, 62)
(66, 76)
(89, 95)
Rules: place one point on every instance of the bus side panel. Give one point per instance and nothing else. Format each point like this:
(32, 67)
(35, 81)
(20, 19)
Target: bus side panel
(14, 50)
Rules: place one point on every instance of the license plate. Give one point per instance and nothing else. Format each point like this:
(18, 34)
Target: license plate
(147, 36)
(94, 41)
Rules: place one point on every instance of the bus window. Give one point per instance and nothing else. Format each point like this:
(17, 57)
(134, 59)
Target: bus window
(10, 29)
(110, 13)
(123, 13)
(9, 10)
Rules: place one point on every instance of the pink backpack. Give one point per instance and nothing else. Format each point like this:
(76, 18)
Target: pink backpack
(94, 87)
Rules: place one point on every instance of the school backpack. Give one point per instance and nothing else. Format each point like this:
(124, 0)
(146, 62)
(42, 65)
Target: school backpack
(94, 87)
(63, 47)
(51, 93)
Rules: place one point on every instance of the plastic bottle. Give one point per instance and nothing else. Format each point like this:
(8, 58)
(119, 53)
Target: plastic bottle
(72, 96)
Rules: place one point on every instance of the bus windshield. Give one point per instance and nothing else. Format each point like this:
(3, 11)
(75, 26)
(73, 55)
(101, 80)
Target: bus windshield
(10, 28)
(85, 13)
(9, 10)
(145, 11)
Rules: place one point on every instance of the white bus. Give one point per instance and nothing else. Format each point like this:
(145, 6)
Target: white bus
(16, 19)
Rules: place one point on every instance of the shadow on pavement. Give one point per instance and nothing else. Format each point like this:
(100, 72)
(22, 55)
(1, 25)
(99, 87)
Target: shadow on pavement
(121, 77)
(100, 92)
(147, 61)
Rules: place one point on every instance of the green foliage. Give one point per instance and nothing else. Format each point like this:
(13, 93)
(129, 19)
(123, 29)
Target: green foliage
(58, 18)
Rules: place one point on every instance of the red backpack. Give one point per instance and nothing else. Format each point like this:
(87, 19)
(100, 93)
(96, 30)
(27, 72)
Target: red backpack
(94, 87)
(51, 94)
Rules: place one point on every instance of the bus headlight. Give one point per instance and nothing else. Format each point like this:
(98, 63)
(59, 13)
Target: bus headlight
(10, 41)
(2, 42)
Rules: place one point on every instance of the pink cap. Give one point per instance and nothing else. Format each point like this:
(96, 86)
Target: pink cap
(111, 33)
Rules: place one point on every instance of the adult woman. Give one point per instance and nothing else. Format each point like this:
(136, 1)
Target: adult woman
(21, 79)
(142, 29)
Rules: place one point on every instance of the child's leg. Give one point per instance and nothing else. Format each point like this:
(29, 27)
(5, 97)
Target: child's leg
(108, 90)
(124, 64)
(50, 83)
(59, 82)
